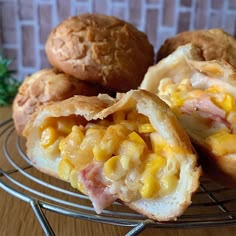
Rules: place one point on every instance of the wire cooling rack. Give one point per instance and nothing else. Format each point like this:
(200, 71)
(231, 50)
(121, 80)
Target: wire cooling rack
(213, 205)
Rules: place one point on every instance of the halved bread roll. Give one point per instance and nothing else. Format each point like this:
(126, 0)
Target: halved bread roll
(203, 96)
(130, 148)
(44, 86)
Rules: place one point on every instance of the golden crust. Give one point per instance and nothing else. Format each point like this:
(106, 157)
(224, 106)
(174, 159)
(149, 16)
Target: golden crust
(161, 118)
(214, 43)
(101, 49)
(45, 86)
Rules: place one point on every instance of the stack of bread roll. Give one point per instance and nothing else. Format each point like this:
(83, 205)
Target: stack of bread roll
(102, 118)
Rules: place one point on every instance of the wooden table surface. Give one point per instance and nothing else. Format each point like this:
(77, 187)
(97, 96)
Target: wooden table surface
(17, 217)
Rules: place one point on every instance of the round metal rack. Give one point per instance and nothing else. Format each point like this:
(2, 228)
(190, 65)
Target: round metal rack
(213, 205)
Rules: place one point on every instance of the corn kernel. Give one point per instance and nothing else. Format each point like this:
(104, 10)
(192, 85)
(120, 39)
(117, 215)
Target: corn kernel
(74, 178)
(228, 103)
(145, 128)
(150, 186)
(118, 116)
(120, 130)
(131, 149)
(71, 147)
(113, 169)
(212, 90)
(53, 149)
(75, 182)
(100, 154)
(93, 136)
(177, 99)
(223, 100)
(109, 142)
(48, 137)
(154, 163)
(64, 169)
(222, 143)
(168, 184)
(136, 138)
(72, 141)
(125, 162)
(157, 142)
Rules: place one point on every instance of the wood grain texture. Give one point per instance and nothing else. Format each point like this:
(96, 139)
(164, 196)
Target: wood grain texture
(18, 219)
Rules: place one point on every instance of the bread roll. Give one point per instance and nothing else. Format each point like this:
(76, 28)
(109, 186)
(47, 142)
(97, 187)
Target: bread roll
(47, 85)
(214, 44)
(130, 148)
(100, 49)
(203, 96)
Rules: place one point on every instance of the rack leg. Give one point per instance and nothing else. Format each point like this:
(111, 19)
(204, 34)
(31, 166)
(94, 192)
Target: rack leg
(41, 218)
(139, 228)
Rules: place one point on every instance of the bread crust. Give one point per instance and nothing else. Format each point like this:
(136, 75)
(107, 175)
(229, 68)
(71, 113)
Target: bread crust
(47, 85)
(161, 117)
(100, 49)
(214, 44)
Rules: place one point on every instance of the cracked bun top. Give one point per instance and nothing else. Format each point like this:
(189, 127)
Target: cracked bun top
(100, 49)
(214, 44)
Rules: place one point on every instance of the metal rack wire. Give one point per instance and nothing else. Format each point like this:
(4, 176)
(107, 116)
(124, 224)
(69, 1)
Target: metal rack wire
(213, 205)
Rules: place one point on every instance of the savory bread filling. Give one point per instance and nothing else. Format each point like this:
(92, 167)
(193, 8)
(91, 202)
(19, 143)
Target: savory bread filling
(208, 112)
(136, 161)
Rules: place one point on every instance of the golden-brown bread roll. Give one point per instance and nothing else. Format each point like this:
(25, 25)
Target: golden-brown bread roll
(214, 44)
(203, 96)
(45, 86)
(101, 49)
(130, 148)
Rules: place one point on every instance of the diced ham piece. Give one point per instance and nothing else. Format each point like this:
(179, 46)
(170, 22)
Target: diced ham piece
(92, 180)
(204, 107)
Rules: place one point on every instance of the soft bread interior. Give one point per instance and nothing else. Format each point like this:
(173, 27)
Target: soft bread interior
(202, 95)
(149, 116)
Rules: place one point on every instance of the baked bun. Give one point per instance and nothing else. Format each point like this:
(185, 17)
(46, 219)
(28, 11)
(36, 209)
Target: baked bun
(130, 148)
(100, 49)
(214, 44)
(45, 86)
(203, 96)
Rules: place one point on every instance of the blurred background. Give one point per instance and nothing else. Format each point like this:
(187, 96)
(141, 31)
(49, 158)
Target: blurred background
(25, 24)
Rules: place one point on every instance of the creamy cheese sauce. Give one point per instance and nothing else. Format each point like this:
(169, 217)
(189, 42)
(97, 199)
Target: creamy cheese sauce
(136, 160)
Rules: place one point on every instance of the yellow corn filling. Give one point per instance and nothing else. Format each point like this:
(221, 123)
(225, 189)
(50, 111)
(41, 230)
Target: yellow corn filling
(220, 141)
(124, 142)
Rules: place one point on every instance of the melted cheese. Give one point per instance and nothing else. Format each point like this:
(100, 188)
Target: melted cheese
(121, 142)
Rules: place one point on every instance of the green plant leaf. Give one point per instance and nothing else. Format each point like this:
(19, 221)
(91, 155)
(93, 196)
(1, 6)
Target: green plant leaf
(8, 84)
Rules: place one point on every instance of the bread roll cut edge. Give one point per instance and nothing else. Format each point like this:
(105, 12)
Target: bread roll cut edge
(161, 117)
(183, 62)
